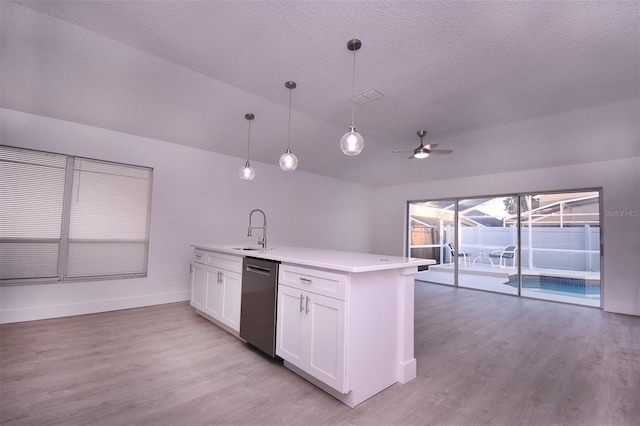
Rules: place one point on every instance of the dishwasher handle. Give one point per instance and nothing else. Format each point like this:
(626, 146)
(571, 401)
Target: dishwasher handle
(258, 269)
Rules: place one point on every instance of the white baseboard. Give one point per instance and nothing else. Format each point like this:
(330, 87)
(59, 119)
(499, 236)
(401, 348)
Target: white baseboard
(90, 307)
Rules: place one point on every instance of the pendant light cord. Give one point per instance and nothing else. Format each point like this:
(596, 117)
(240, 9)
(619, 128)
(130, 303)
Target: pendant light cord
(289, 133)
(248, 140)
(353, 89)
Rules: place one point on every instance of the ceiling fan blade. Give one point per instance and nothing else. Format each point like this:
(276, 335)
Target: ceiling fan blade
(431, 146)
(440, 151)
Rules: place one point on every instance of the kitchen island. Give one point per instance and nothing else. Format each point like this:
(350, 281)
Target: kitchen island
(345, 321)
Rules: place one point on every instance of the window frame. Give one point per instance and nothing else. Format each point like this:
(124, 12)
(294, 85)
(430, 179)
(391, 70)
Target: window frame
(64, 241)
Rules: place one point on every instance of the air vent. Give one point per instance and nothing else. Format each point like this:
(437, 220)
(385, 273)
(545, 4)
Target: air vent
(366, 96)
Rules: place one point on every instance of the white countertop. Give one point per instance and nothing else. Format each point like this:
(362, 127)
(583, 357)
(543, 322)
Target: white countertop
(328, 259)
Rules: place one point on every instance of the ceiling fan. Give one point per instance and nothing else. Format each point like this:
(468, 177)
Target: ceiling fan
(423, 150)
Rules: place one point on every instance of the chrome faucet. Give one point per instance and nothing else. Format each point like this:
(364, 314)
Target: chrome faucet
(261, 242)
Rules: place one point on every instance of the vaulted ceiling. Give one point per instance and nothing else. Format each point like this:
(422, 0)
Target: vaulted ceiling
(187, 71)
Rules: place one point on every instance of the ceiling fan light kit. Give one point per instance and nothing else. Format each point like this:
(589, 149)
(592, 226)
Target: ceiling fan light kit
(421, 151)
(352, 142)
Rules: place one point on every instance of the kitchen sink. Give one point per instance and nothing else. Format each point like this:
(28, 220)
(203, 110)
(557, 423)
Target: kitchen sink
(251, 248)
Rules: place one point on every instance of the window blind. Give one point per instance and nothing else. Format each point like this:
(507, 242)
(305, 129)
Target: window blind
(65, 218)
(31, 206)
(108, 230)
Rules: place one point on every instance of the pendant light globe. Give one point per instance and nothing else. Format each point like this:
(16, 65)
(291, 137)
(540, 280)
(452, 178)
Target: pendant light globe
(288, 161)
(352, 142)
(247, 172)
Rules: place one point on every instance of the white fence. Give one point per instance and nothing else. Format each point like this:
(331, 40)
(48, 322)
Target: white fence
(569, 248)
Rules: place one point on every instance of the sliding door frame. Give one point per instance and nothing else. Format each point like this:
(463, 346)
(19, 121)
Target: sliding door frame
(518, 197)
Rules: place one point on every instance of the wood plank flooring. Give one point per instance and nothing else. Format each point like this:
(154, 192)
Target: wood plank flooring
(482, 359)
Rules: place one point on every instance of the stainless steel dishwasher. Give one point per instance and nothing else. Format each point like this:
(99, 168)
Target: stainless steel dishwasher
(258, 306)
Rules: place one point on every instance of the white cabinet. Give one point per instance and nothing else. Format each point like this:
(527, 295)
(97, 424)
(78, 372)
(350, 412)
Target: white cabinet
(198, 284)
(311, 331)
(216, 288)
(224, 290)
(214, 293)
(290, 325)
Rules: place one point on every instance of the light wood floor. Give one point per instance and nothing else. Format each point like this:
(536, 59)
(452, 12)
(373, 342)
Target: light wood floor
(482, 359)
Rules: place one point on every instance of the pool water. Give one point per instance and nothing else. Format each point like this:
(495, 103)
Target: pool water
(577, 287)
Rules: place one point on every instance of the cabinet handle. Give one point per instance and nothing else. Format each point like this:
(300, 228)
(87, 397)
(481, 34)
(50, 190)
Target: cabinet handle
(301, 299)
(197, 256)
(306, 308)
(221, 277)
(306, 280)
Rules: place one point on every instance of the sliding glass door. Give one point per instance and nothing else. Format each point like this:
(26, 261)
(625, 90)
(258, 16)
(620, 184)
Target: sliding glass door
(431, 230)
(489, 240)
(543, 246)
(560, 241)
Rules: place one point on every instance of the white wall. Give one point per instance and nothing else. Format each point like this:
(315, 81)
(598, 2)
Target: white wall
(619, 179)
(197, 197)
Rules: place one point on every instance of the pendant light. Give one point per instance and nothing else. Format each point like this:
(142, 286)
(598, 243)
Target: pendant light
(247, 172)
(288, 160)
(352, 142)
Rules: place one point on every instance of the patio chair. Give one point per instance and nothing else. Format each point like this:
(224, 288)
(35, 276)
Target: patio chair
(465, 255)
(508, 253)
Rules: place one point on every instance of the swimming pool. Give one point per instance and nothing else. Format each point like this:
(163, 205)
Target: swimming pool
(580, 287)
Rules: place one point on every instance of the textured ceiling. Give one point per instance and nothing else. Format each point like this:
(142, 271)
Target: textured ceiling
(187, 71)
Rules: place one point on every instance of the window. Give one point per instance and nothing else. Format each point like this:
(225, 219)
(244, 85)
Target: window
(70, 218)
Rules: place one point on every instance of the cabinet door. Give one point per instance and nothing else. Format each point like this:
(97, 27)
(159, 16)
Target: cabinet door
(290, 322)
(198, 282)
(312, 335)
(231, 300)
(326, 340)
(214, 293)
